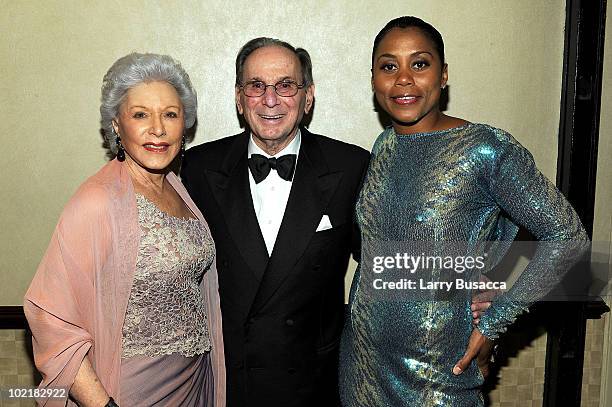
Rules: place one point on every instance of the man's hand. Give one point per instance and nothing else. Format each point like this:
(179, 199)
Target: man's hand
(479, 347)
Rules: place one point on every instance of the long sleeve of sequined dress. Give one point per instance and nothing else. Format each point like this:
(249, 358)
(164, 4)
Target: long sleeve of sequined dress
(531, 201)
(453, 188)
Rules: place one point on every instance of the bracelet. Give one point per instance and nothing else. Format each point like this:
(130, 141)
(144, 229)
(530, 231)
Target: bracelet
(111, 403)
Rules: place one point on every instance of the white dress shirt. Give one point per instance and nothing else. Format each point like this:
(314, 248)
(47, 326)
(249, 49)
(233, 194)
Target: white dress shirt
(270, 196)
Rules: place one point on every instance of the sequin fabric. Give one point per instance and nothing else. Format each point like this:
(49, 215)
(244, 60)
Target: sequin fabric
(166, 309)
(469, 184)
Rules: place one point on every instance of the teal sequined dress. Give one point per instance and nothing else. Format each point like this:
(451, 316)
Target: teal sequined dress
(468, 184)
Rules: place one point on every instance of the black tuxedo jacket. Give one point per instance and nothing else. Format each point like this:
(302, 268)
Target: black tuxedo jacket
(282, 314)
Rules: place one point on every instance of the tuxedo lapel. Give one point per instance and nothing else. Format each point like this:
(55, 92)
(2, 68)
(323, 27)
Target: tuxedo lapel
(230, 187)
(313, 186)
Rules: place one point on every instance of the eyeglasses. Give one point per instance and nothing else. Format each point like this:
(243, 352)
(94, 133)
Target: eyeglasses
(283, 88)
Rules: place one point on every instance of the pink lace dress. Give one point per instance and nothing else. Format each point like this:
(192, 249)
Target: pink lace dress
(166, 342)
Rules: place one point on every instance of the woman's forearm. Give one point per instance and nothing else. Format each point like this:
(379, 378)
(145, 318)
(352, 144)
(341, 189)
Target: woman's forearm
(87, 390)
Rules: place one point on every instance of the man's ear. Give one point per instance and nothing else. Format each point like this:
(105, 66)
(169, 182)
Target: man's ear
(238, 103)
(309, 98)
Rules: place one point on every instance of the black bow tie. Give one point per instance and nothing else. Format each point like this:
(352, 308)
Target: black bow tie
(260, 166)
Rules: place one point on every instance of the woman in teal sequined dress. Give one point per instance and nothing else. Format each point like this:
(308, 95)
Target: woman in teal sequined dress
(437, 180)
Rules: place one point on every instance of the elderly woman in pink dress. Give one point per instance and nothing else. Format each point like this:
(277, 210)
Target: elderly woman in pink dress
(124, 308)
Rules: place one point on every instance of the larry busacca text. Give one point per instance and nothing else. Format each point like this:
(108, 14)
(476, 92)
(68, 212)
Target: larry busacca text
(467, 268)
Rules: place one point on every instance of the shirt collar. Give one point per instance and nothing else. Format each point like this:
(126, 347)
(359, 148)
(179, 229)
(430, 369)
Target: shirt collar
(292, 148)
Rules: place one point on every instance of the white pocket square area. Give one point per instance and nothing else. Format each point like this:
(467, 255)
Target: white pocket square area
(324, 224)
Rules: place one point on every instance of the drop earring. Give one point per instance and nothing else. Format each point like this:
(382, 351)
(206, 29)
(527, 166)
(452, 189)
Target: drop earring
(120, 149)
(182, 147)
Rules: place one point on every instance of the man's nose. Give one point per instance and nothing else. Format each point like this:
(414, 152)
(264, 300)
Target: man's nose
(270, 98)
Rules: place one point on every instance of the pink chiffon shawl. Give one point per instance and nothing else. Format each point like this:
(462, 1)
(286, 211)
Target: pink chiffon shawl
(77, 301)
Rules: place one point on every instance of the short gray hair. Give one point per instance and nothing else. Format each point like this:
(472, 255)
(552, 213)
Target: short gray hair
(256, 43)
(130, 71)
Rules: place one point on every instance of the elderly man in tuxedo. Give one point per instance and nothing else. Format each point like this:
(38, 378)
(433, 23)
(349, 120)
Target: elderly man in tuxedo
(280, 203)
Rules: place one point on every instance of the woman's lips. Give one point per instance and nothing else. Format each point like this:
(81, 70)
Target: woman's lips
(405, 100)
(156, 148)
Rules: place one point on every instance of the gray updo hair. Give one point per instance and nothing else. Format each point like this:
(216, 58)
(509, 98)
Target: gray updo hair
(134, 69)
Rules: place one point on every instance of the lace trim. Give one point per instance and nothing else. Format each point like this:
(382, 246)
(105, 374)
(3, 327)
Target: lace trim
(166, 309)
